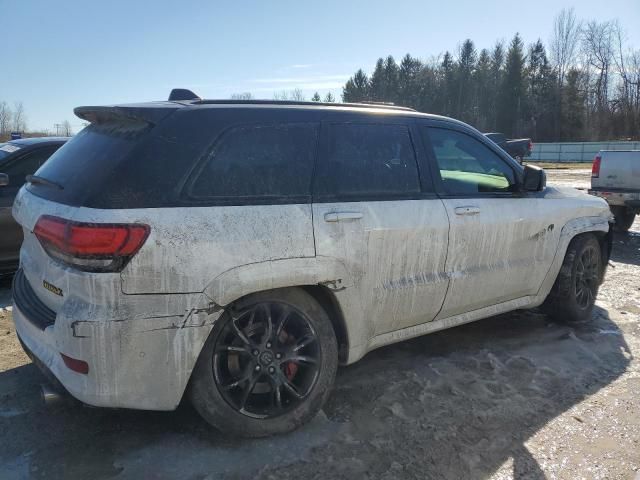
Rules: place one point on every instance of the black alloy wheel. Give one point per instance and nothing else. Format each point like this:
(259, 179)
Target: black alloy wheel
(266, 359)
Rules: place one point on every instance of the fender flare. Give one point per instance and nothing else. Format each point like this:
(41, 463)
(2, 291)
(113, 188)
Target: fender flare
(243, 280)
(572, 228)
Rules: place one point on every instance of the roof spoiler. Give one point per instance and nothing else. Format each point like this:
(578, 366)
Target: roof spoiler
(123, 114)
(178, 94)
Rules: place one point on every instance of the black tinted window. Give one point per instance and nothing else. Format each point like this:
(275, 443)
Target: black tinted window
(467, 166)
(95, 149)
(259, 161)
(368, 160)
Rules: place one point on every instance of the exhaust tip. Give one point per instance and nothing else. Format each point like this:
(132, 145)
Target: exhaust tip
(49, 395)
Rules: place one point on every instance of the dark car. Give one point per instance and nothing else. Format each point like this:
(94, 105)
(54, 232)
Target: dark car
(18, 158)
(518, 148)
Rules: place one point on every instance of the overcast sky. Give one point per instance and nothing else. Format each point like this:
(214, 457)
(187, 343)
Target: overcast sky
(65, 53)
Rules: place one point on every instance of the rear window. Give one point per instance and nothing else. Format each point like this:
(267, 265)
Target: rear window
(83, 163)
(259, 161)
(94, 147)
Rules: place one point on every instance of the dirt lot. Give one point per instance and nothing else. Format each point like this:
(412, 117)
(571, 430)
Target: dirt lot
(514, 396)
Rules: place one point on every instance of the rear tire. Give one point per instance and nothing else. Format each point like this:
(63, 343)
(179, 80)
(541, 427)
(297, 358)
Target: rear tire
(268, 365)
(573, 295)
(624, 219)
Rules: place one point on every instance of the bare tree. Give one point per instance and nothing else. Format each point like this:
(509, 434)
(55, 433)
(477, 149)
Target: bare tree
(329, 98)
(598, 47)
(627, 101)
(5, 118)
(283, 95)
(66, 129)
(598, 44)
(242, 96)
(19, 118)
(296, 95)
(564, 42)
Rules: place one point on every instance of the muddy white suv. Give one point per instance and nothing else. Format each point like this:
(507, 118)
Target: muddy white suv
(237, 252)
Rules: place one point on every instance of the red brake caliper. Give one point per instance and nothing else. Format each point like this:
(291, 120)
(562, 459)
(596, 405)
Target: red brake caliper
(290, 370)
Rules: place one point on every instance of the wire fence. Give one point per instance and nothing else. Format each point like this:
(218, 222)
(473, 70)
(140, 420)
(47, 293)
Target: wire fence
(575, 151)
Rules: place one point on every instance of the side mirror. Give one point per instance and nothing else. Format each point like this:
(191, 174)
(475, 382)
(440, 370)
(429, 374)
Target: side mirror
(4, 179)
(534, 179)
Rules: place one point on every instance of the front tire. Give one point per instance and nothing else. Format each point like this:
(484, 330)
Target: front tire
(573, 295)
(268, 365)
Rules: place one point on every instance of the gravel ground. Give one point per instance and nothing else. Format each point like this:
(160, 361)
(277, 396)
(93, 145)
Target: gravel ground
(513, 396)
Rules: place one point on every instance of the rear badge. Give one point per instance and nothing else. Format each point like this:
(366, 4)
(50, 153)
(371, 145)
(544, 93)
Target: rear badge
(52, 288)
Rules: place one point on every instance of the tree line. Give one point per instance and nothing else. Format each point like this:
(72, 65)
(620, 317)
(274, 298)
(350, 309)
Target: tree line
(12, 119)
(585, 87)
(15, 120)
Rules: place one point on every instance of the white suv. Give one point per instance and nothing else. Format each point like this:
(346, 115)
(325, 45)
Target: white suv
(239, 251)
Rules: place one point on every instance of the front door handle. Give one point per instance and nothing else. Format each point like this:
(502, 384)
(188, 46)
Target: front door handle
(467, 210)
(340, 216)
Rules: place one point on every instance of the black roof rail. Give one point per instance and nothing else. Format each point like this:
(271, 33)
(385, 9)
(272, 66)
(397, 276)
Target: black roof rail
(301, 103)
(184, 95)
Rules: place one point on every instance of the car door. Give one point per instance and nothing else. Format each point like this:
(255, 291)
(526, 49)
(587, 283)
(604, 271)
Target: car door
(497, 249)
(372, 213)
(17, 167)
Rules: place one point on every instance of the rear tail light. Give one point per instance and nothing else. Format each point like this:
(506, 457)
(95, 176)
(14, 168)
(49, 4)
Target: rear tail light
(595, 168)
(92, 247)
(530, 146)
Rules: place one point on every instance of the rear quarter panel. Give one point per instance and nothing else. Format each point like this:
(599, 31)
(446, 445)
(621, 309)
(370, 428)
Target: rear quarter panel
(189, 247)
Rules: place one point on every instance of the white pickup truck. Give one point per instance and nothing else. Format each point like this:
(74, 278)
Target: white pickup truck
(615, 176)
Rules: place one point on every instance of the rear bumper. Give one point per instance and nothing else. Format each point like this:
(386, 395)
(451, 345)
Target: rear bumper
(618, 198)
(142, 363)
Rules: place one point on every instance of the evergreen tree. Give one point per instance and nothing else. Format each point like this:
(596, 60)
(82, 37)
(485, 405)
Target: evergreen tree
(357, 88)
(510, 99)
(464, 71)
(541, 101)
(316, 97)
(573, 108)
(408, 81)
(483, 91)
(329, 98)
(496, 78)
(391, 71)
(445, 104)
(378, 84)
(428, 89)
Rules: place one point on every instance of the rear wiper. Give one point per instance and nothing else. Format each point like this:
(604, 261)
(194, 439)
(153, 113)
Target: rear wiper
(43, 181)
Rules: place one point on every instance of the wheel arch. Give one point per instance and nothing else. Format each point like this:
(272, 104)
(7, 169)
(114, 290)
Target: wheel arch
(315, 275)
(327, 301)
(596, 225)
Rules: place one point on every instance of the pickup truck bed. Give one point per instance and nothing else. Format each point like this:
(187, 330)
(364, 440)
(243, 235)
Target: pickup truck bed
(518, 148)
(616, 178)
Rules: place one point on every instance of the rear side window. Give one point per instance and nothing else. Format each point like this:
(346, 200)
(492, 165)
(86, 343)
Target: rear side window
(269, 161)
(368, 160)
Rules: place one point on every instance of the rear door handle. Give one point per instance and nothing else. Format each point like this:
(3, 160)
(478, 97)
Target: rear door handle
(468, 210)
(340, 216)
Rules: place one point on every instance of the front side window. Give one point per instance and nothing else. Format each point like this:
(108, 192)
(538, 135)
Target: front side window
(259, 161)
(368, 160)
(466, 165)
